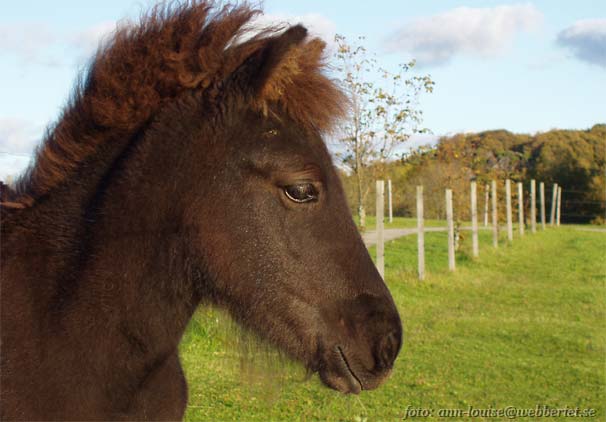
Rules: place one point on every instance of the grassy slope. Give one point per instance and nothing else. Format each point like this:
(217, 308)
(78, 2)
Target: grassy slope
(524, 325)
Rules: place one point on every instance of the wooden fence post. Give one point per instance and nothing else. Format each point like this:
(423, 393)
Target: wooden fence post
(486, 194)
(420, 234)
(554, 198)
(450, 221)
(521, 208)
(495, 221)
(533, 206)
(380, 237)
(542, 197)
(389, 201)
(474, 220)
(559, 205)
(508, 210)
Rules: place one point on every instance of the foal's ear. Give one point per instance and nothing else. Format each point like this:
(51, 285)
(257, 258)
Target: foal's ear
(270, 68)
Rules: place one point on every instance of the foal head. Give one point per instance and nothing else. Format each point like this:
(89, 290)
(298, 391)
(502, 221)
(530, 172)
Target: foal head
(227, 133)
(272, 226)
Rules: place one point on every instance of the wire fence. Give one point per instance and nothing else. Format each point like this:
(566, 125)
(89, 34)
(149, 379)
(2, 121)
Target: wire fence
(500, 206)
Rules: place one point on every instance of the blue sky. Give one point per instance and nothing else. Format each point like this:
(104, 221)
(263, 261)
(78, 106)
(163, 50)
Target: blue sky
(525, 67)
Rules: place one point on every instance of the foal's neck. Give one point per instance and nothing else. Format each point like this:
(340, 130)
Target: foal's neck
(132, 278)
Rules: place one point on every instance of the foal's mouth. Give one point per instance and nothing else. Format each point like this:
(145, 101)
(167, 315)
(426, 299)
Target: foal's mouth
(338, 373)
(353, 379)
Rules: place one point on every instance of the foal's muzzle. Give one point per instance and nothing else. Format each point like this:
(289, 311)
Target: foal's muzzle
(362, 353)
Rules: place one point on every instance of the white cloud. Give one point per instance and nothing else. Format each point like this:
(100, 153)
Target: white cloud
(12, 165)
(34, 43)
(28, 42)
(89, 39)
(476, 32)
(316, 24)
(587, 40)
(420, 140)
(18, 136)
(18, 139)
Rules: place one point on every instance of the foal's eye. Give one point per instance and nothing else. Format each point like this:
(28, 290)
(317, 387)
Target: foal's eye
(302, 192)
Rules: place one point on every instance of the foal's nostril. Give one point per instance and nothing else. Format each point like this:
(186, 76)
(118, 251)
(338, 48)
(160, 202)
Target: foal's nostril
(388, 349)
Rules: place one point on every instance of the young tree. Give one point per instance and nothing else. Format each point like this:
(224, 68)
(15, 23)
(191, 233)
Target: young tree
(384, 113)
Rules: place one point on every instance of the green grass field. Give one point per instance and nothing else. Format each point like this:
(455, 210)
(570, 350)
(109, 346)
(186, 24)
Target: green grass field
(521, 326)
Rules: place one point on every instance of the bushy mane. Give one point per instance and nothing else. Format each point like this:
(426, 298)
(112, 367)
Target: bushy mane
(190, 46)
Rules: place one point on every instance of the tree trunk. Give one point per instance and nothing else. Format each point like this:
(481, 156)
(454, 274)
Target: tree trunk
(358, 171)
(362, 216)
(361, 209)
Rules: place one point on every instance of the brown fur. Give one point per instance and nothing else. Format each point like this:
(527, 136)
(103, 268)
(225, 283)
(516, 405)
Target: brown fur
(164, 185)
(172, 50)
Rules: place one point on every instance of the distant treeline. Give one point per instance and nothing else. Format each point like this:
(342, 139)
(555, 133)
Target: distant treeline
(574, 159)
